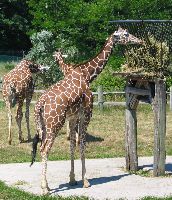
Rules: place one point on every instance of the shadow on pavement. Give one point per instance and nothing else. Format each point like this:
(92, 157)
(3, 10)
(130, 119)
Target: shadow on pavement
(93, 181)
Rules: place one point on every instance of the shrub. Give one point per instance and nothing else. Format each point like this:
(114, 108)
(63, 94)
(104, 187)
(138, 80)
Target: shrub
(42, 52)
(44, 45)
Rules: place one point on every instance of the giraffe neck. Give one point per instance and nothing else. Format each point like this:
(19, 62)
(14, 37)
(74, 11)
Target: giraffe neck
(63, 66)
(95, 66)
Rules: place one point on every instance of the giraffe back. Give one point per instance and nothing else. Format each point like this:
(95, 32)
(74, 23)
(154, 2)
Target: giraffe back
(61, 99)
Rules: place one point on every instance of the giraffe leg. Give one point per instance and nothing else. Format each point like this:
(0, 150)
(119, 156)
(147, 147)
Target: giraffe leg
(19, 117)
(68, 133)
(68, 130)
(47, 144)
(82, 135)
(9, 122)
(85, 116)
(72, 127)
(45, 149)
(28, 100)
(44, 183)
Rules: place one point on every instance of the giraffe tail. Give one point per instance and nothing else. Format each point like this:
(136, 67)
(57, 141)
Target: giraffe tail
(34, 148)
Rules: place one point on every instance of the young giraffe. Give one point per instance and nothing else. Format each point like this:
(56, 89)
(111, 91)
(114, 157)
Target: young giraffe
(65, 68)
(71, 98)
(18, 85)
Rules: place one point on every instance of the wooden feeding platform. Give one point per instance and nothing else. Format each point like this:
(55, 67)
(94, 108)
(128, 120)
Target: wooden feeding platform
(153, 90)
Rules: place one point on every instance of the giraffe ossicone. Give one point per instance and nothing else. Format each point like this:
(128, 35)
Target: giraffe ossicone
(72, 98)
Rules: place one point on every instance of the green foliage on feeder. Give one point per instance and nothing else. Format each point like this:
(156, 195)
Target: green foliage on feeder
(150, 59)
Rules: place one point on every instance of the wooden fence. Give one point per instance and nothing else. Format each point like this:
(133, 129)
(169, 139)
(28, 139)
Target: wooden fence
(101, 97)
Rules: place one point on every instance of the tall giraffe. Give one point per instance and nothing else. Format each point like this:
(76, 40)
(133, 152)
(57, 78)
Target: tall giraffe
(18, 85)
(71, 98)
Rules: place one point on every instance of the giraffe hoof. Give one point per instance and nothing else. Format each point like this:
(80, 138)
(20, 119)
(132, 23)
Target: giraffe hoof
(29, 139)
(9, 142)
(73, 183)
(86, 184)
(21, 140)
(45, 191)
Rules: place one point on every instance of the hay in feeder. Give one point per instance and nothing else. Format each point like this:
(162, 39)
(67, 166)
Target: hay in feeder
(151, 59)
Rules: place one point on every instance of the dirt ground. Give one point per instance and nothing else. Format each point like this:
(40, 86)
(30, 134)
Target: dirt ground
(108, 179)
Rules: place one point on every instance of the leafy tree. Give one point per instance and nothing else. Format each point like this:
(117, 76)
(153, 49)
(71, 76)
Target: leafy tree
(15, 22)
(85, 23)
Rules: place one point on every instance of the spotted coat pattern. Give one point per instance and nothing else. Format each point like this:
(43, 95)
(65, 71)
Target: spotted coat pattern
(71, 98)
(18, 85)
(65, 68)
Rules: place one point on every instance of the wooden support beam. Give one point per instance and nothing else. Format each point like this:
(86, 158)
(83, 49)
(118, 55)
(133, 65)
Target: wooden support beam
(131, 140)
(159, 108)
(137, 91)
(131, 134)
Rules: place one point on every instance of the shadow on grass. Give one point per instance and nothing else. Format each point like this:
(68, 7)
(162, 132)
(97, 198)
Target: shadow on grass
(89, 137)
(93, 181)
(92, 138)
(168, 167)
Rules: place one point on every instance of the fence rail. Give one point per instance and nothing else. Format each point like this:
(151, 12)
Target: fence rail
(100, 98)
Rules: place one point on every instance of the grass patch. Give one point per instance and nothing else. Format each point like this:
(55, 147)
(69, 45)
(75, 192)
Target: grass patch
(105, 139)
(11, 193)
(5, 67)
(20, 183)
(149, 173)
(157, 198)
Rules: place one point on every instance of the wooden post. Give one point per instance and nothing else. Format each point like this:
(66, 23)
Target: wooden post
(100, 97)
(159, 107)
(131, 133)
(131, 140)
(171, 98)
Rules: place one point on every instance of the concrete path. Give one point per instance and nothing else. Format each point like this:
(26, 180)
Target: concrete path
(107, 177)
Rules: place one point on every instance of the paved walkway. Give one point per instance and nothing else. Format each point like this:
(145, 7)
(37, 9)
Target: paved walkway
(107, 177)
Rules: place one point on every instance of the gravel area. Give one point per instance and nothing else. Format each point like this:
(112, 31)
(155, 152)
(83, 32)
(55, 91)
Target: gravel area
(107, 177)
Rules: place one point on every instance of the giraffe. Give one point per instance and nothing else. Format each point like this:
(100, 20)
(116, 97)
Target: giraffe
(71, 98)
(18, 85)
(65, 68)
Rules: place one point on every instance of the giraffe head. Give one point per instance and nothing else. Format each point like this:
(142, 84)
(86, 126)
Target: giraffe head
(122, 36)
(58, 55)
(35, 68)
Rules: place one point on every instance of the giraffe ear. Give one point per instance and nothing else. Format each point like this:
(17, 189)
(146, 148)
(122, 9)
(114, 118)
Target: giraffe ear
(120, 29)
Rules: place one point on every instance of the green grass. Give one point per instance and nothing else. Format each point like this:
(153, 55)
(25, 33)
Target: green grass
(106, 136)
(12, 193)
